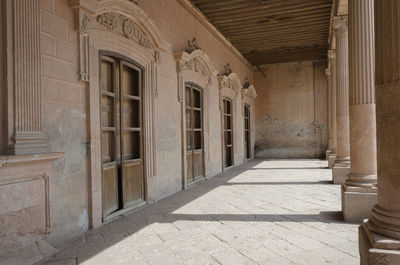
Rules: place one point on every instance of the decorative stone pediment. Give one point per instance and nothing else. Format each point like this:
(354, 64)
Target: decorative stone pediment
(194, 66)
(249, 92)
(230, 81)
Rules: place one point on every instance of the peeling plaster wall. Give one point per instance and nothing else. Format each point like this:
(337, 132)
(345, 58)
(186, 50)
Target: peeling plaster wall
(66, 116)
(285, 110)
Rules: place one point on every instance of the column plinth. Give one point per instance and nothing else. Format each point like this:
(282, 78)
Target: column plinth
(379, 237)
(342, 161)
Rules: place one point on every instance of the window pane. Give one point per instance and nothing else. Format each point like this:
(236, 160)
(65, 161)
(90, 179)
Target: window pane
(196, 119)
(187, 96)
(131, 113)
(107, 147)
(197, 140)
(130, 81)
(107, 76)
(131, 145)
(107, 111)
(188, 119)
(196, 98)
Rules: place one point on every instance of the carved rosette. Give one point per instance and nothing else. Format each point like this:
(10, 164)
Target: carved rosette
(126, 27)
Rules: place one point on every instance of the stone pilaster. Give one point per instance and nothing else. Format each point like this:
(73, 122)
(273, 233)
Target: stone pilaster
(23, 86)
(379, 238)
(359, 191)
(342, 160)
(333, 134)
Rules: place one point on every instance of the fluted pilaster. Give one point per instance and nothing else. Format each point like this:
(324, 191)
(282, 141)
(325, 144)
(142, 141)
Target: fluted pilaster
(24, 126)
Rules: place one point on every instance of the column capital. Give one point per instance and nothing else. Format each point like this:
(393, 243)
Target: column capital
(340, 23)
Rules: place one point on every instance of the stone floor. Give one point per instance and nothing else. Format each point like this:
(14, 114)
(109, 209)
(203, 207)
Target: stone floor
(264, 212)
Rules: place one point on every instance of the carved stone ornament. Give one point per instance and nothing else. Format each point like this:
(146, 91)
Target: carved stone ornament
(193, 45)
(195, 65)
(228, 69)
(246, 83)
(125, 26)
(157, 57)
(84, 23)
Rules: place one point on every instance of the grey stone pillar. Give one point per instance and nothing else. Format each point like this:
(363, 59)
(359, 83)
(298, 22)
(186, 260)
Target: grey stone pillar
(342, 160)
(379, 237)
(359, 191)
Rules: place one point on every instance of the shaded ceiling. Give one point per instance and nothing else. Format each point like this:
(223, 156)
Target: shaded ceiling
(272, 31)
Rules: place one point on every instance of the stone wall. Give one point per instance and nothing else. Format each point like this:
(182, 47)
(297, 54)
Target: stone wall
(290, 98)
(66, 107)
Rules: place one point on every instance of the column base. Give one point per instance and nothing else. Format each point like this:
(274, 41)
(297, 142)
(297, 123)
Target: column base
(376, 249)
(331, 160)
(340, 172)
(327, 153)
(357, 203)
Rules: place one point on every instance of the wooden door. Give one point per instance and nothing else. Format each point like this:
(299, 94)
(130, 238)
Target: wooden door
(121, 126)
(247, 143)
(228, 133)
(194, 134)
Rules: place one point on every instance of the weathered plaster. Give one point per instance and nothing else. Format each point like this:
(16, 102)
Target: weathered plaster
(285, 110)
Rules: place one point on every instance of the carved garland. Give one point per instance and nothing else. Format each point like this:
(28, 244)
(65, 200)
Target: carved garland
(124, 25)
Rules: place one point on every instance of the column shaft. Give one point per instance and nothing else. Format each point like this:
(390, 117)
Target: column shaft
(359, 190)
(380, 236)
(342, 160)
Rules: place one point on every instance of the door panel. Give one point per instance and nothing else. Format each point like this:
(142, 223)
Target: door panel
(110, 188)
(247, 131)
(132, 183)
(121, 123)
(228, 133)
(194, 134)
(132, 168)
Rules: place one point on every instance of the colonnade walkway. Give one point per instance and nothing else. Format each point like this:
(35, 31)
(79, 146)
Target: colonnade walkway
(262, 212)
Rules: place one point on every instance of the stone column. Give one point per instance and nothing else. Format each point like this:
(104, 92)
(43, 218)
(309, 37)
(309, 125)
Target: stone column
(328, 78)
(379, 238)
(342, 160)
(333, 135)
(359, 190)
(23, 86)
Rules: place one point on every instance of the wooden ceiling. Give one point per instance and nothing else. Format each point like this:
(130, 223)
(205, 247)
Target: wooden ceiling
(272, 31)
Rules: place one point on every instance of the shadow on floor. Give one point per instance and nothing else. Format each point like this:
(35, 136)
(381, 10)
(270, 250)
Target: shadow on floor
(97, 240)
